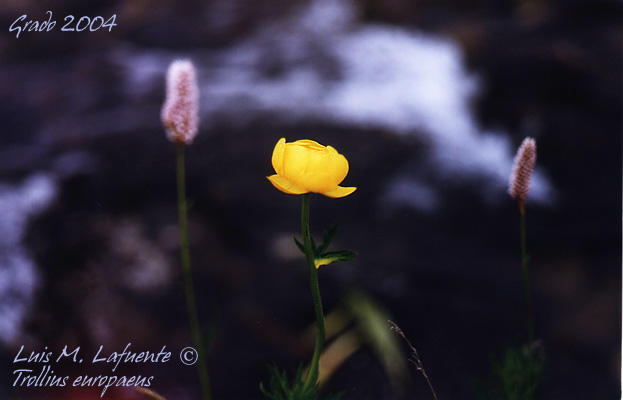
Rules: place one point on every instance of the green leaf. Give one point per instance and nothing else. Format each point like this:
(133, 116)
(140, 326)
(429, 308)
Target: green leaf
(321, 256)
(282, 389)
(327, 238)
(302, 247)
(519, 373)
(334, 257)
(299, 245)
(313, 244)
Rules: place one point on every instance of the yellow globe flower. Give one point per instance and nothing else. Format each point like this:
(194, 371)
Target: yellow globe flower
(306, 166)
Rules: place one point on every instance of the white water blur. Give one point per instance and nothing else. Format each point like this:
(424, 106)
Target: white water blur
(321, 64)
(19, 277)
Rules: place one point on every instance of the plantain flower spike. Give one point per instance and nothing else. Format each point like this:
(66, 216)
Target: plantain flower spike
(523, 165)
(180, 112)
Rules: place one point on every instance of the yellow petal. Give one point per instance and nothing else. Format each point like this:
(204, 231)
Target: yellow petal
(285, 185)
(340, 192)
(295, 162)
(340, 168)
(310, 144)
(277, 158)
(318, 181)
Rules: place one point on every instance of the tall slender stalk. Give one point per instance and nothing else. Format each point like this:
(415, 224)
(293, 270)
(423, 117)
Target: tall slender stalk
(312, 376)
(530, 376)
(522, 382)
(187, 273)
(518, 188)
(526, 280)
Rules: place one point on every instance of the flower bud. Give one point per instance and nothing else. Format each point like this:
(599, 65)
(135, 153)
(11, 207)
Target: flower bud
(180, 112)
(306, 166)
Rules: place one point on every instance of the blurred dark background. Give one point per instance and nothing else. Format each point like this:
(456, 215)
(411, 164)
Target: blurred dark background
(428, 100)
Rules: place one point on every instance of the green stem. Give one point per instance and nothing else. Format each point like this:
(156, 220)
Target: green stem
(526, 281)
(312, 376)
(186, 270)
